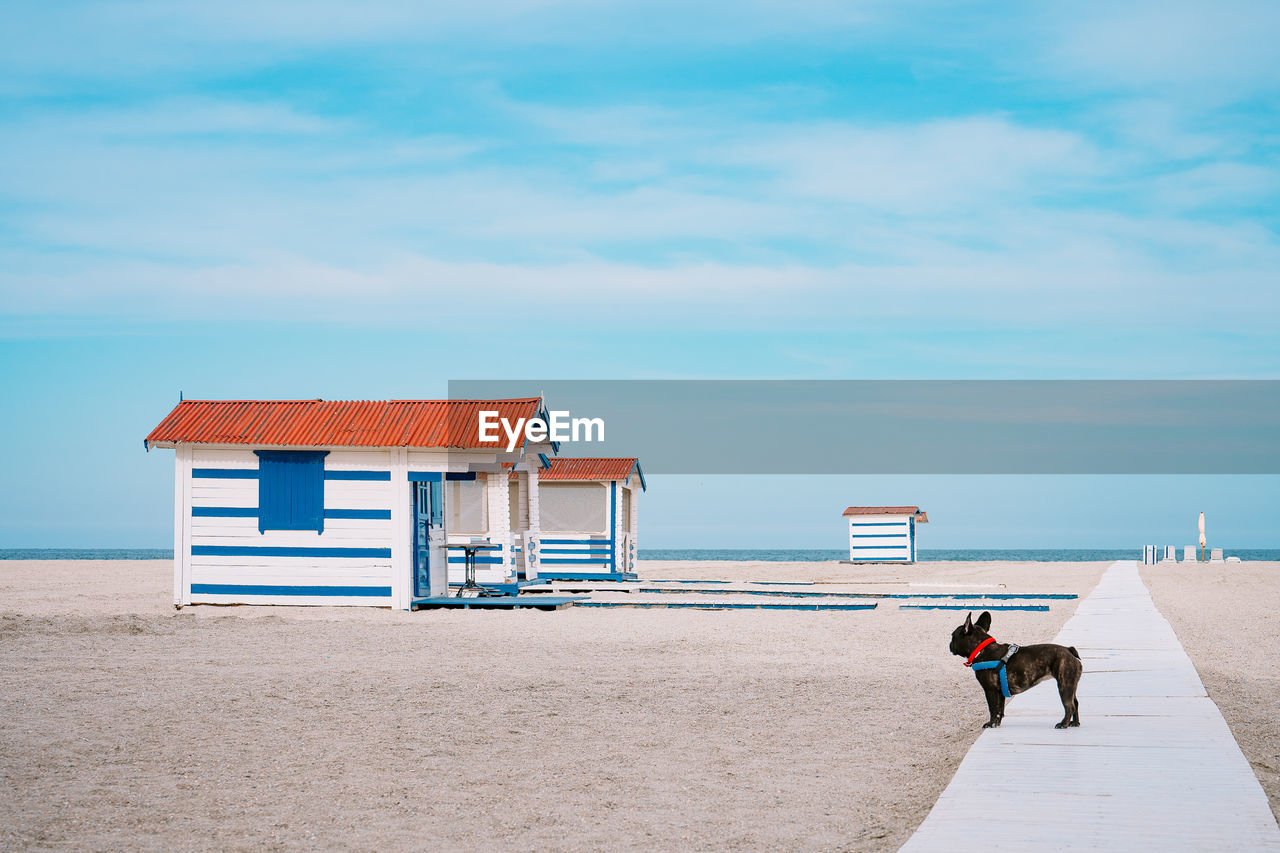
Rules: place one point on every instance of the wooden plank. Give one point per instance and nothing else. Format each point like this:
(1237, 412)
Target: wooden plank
(992, 607)
(1152, 767)
(503, 602)
(723, 605)
(552, 584)
(988, 596)
(557, 574)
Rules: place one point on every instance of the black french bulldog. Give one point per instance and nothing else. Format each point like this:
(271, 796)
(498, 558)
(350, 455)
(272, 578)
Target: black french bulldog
(1024, 668)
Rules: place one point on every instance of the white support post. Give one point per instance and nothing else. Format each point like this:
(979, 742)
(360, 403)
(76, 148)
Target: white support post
(533, 539)
(615, 512)
(634, 557)
(497, 492)
(402, 532)
(181, 526)
(522, 500)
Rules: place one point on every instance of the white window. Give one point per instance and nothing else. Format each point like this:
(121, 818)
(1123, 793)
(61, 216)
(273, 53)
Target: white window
(468, 510)
(574, 507)
(518, 501)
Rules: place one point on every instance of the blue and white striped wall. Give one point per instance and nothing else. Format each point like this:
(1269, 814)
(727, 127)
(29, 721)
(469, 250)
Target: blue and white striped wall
(577, 552)
(364, 556)
(227, 560)
(882, 539)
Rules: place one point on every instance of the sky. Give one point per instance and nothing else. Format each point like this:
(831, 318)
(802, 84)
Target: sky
(316, 199)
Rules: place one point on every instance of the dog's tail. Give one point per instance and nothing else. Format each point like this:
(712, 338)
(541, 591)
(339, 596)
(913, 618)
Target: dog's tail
(1073, 651)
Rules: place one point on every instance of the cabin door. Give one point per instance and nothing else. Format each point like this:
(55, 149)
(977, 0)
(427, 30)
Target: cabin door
(428, 533)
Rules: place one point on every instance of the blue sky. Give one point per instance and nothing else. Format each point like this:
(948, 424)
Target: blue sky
(322, 199)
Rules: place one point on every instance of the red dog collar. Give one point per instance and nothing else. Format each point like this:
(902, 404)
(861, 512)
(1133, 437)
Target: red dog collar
(988, 641)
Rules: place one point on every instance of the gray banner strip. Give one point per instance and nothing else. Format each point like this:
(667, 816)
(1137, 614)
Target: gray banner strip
(919, 426)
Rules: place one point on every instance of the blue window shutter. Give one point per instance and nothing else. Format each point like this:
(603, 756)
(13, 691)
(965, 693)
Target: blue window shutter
(309, 492)
(273, 470)
(291, 490)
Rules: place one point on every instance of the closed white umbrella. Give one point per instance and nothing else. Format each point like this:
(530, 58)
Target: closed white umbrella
(1202, 540)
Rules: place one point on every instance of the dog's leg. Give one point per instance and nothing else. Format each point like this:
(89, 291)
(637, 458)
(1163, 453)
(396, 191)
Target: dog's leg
(995, 704)
(1068, 702)
(1068, 679)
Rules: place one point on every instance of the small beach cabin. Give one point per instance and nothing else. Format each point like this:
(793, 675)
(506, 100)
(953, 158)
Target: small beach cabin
(340, 502)
(883, 534)
(586, 519)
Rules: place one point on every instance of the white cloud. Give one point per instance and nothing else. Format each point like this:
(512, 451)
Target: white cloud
(42, 46)
(705, 209)
(1078, 284)
(1222, 184)
(1157, 129)
(1220, 51)
(931, 166)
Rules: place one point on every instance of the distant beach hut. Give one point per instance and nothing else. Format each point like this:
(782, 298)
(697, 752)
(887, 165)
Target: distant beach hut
(883, 534)
(585, 521)
(350, 502)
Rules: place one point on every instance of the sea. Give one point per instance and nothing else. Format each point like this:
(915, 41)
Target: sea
(1042, 555)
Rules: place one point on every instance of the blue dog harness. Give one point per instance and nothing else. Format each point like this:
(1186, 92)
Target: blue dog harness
(999, 667)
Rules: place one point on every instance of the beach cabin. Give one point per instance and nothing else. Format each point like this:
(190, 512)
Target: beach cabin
(348, 502)
(883, 534)
(586, 518)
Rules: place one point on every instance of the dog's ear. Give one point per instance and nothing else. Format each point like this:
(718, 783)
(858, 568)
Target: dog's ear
(984, 621)
(968, 623)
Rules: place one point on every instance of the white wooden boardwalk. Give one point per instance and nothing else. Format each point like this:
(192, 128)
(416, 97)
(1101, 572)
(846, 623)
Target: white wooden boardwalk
(1152, 767)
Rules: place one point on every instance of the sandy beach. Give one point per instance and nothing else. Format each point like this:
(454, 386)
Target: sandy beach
(125, 724)
(1225, 614)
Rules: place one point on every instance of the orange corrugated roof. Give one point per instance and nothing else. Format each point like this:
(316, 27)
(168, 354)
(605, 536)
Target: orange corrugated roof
(881, 510)
(589, 468)
(337, 423)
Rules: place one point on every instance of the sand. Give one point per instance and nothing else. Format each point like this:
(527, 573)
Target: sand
(125, 724)
(1227, 616)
